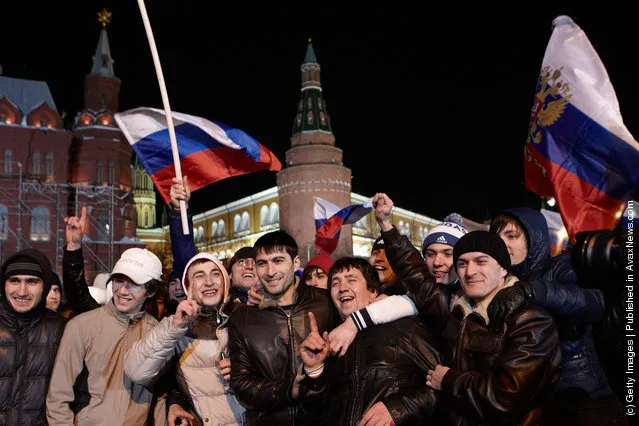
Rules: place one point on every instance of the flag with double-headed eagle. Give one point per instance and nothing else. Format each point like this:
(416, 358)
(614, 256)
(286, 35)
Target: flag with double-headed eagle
(578, 149)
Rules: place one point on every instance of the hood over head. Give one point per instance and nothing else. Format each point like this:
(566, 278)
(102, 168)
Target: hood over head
(536, 228)
(225, 275)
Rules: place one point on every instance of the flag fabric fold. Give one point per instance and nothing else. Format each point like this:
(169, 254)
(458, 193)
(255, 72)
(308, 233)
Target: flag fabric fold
(329, 220)
(209, 151)
(578, 149)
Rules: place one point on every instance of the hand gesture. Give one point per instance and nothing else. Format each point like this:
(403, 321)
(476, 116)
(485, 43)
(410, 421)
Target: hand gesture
(434, 377)
(314, 349)
(377, 415)
(185, 312)
(383, 207)
(178, 416)
(76, 228)
(254, 297)
(179, 191)
(224, 365)
(342, 336)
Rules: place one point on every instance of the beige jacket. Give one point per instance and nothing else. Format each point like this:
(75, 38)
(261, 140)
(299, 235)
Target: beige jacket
(99, 338)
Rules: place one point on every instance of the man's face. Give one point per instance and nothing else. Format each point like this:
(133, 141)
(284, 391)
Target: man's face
(276, 271)
(128, 296)
(176, 291)
(515, 240)
(53, 298)
(206, 283)
(439, 260)
(23, 292)
(317, 278)
(243, 274)
(349, 291)
(380, 263)
(480, 275)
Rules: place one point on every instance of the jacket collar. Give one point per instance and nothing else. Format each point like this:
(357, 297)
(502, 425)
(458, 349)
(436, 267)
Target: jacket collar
(124, 319)
(481, 308)
(268, 302)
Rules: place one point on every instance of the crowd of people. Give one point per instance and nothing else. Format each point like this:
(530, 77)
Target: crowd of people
(477, 328)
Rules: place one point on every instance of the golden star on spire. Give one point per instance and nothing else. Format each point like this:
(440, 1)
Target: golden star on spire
(104, 17)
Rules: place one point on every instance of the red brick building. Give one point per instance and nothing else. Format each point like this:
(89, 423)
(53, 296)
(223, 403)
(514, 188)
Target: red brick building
(48, 172)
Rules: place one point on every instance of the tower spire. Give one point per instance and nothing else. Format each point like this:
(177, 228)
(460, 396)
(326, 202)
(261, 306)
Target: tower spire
(102, 60)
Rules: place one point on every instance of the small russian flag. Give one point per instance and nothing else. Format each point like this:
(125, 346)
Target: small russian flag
(329, 221)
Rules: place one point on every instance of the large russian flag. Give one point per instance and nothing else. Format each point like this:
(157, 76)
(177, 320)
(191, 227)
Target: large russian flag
(578, 149)
(209, 151)
(329, 220)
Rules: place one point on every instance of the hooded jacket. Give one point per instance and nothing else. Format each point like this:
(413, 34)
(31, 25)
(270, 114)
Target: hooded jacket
(192, 352)
(574, 308)
(28, 346)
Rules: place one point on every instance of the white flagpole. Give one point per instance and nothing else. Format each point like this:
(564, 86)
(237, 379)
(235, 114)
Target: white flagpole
(167, 109)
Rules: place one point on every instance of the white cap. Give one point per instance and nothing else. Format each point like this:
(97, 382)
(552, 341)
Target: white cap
(140, 265)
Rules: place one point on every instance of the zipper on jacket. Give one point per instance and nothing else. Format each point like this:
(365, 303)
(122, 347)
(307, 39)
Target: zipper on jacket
(356, 386)
(460, 334)
(292, 357)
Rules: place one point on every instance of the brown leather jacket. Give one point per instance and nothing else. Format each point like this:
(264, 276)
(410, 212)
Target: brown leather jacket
(264, 352)
(496, 377)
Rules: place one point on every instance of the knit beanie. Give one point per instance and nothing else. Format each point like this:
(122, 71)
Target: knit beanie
(378, 244)
(322, 261)
(447, 232)
(483, 242)
(23, 265)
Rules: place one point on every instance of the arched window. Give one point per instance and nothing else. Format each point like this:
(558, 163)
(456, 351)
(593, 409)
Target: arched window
(246, 222)
(104, 227)
(8, 160)
(274, 213)
(214, 230)
(48, 164)
(264, 214)
(99, 173)
(237, 219)
(362, 223)
(40, 224)
(221, 232)
(35, 163)
(4, 222)
(423, 231)
(111, 173)
(404, 228)
(199, 234)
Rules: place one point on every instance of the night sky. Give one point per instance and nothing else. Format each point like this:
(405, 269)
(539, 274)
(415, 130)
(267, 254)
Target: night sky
(430, 104)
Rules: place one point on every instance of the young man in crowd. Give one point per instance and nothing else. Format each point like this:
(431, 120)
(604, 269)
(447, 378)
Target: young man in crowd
(264, 340)
(29, 337)
(391, 285)
(91, 353)
(381, 378)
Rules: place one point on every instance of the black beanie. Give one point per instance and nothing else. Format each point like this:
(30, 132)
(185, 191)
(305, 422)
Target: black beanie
(23, 265)
(483, 242)
(247, 252)
(378, 244)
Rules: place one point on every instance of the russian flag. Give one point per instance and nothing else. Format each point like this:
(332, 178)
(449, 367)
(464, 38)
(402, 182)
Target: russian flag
(578, 149)
(329, 220)
(209, 151)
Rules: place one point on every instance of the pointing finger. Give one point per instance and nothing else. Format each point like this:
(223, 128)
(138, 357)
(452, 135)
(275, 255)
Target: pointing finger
(313, 323)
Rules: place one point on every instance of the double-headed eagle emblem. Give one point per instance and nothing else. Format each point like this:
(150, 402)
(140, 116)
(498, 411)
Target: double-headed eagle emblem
(550, 102)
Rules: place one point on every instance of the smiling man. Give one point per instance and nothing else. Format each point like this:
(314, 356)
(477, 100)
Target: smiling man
(91, 354)
(264, 340)
(243, 274)
(380, 380)
(390, 284)
(29, 337)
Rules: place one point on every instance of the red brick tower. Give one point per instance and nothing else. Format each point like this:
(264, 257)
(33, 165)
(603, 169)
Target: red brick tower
(313, 167)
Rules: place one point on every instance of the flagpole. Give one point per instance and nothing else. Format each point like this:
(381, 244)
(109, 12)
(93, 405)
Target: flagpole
(167, 109)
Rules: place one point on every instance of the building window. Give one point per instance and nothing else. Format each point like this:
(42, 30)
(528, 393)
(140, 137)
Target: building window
(264, 215)
(104, 227)
(35, 163)
(111, 173)
(274, 213)
(99, 176)
(246, 222)
(44, 123)
(3, 118)
(404, 228)
(221, 232)
(214, 230)
(4, 222)
(362, 223)
(48, 164)
(236, 223)
(8, 159)
(40, 224)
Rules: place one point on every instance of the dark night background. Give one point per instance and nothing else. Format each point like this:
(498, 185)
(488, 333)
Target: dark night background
(429, 103)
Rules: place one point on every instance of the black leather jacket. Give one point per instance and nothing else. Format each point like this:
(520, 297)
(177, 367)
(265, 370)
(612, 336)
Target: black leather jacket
(28, 346)
(387, 363)
(496, 378)
(264, 352)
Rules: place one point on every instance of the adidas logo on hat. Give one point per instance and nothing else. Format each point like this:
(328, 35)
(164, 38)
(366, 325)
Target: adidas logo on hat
(442, 240)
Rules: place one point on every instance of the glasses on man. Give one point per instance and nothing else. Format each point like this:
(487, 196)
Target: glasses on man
(118, 283)
(247, 263)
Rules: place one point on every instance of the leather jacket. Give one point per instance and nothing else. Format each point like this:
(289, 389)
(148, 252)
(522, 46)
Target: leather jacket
(387, 363)
(501, 377)
(264, 351)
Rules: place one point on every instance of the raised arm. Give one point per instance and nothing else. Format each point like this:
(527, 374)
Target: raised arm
(75, 285)
(182, 246)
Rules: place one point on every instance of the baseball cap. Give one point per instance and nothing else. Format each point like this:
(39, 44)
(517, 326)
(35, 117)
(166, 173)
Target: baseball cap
(140, 265)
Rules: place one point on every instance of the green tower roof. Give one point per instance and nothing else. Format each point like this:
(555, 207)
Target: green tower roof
(310, 54)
